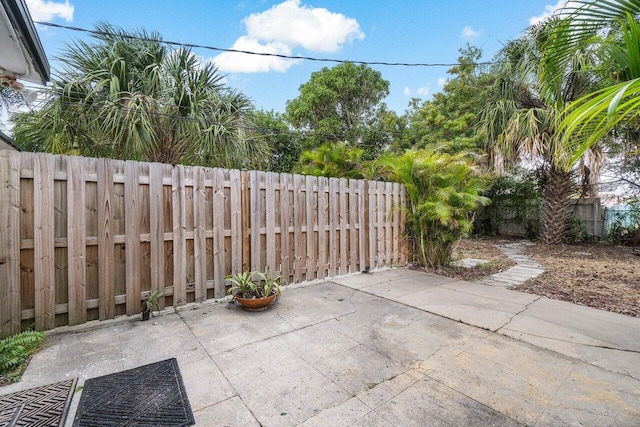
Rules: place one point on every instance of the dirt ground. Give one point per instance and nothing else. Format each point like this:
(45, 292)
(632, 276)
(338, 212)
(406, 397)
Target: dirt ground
(484, 249)
(596, 275)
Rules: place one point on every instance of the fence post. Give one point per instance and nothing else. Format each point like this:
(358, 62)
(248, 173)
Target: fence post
(132, 236)
(285, 241)
(43, 242)
(235, 199)
(246, 219)
(179, 237)
(367, 261)
(76, 241)
(10, 243)
(106, 300)
(156, 226)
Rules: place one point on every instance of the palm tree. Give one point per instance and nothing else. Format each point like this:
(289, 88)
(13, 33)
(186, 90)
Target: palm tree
(522, 123)
(127, 95)
(443, 193)
(616, 103)
(335, 160)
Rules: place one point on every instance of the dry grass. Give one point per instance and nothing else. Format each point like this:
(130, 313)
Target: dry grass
(595, 275)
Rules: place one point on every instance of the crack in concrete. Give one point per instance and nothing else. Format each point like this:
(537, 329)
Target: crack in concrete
(605, 347)
(179, 313)
(518, 313)
(555, 393)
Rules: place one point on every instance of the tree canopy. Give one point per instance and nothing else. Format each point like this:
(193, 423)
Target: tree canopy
(451, 117)
(343, 103)
(127, 95)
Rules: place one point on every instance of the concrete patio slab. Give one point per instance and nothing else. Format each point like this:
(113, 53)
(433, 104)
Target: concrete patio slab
(431, 400)
(592, 336)
(344, 414)
(499, 294)
(480, 311)
(616, 330)
(330, 354)
(231, 412)
(359, 369)
(360, 281)
(397, 288)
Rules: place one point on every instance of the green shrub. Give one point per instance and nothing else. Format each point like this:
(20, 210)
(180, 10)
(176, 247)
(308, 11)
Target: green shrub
(15, 350)
(625, 224)
(443, 194)
(515, 199)
(577, 231)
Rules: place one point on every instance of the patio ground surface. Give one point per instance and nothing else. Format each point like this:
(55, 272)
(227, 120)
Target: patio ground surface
(392, 348)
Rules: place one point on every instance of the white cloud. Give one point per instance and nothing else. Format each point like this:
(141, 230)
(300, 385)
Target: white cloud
(44, 10)
(422, 91)
(550, 10)
(242, 63)
(284, 27)
(315, 29)
(442, 81)
(469, 33)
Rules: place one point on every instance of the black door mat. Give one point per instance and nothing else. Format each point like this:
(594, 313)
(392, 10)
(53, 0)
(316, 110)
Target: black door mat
(40, 406)
(150, 395)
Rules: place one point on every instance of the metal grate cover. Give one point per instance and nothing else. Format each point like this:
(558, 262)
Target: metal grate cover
(150, 395)
(40, 406)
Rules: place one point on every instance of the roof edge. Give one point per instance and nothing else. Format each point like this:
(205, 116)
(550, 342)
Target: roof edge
(23, 24)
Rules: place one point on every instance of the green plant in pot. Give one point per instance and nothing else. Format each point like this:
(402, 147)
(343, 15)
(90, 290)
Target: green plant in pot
(254, 290)
(150, 303)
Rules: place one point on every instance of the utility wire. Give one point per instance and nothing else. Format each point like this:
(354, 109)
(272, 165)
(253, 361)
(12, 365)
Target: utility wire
(246, 52)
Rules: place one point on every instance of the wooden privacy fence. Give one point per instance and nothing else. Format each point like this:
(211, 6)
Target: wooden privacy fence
(589, 211)
(85, 239)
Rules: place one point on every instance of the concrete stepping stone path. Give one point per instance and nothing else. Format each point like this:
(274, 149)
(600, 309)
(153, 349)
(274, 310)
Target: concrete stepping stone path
(526, 268)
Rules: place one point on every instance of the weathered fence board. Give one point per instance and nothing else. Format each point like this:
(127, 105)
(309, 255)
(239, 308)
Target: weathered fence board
(10, 243)
(589, 211)
(86, 239)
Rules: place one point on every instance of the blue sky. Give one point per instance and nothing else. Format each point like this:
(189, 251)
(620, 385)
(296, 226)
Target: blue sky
(367, 30)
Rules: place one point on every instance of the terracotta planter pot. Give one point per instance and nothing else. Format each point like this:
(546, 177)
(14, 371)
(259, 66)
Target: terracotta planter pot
(255, 304)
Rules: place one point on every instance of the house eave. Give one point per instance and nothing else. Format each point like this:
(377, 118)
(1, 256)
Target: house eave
(22, 54)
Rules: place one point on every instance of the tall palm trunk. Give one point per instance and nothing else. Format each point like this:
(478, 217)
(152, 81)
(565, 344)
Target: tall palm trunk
(556, 211)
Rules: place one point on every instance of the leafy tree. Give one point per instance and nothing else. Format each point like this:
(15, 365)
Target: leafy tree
(614, 105)
(516, 198)
(522, 122)
(127, 95)
(451, 117)
(335, 160)
(443, 193)
(341, 103)
(284, 142)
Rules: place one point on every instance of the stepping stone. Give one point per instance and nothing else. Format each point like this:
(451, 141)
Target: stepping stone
(469, 262)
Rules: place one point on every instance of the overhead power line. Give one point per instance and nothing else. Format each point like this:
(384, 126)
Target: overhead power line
(246, 52)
